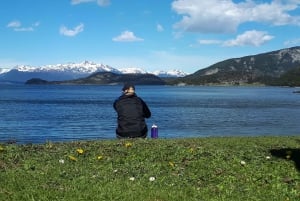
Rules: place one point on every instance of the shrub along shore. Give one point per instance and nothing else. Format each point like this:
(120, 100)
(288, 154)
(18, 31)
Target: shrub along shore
(214, 168)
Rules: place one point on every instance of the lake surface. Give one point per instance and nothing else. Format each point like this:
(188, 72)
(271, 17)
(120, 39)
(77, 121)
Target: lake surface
(36, 114)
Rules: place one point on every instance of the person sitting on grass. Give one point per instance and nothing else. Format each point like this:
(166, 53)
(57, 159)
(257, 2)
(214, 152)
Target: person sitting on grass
(132, 111)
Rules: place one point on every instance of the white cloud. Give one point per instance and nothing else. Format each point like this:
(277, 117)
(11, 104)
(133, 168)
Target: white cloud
(36, 24)
(17, 26)
(103, 2)
(159, 28)
(99, 2)
(75, 2)
(14, 24)
(292, 42)
(209, 42)
(127, 36)
(224, 16)
(71, 32)
(24, 29)
(251, 38)
(206, 16)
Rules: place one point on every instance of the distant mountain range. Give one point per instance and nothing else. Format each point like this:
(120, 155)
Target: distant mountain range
(69, 71)
(280, 68)
(107, 78)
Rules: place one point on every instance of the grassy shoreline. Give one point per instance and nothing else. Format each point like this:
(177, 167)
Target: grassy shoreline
(213, 168)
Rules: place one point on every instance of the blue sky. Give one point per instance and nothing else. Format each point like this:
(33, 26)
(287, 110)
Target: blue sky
(150, 34)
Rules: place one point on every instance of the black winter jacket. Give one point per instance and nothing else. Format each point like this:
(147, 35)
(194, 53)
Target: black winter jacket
(132, 111)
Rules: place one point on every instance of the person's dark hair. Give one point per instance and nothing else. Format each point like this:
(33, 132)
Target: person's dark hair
(127, 86)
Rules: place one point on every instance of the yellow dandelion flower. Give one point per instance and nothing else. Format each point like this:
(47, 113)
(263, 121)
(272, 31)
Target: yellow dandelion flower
(128, 144)
(100, 157)
(191, 150)
(49, 145)
(171, 164)
(72, 158)
(80, 151)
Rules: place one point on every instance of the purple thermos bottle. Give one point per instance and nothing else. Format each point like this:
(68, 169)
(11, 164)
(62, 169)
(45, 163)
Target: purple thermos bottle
(154, 131)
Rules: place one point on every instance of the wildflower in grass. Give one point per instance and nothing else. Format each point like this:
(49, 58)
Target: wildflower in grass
(49, 145)
(151, 178)
(172, 164)
(100, 157)
(80, 151)
(72, 158)
(128, 144)
(61, 161)
(288, 154)
(131, 178)
(243, 163)
(268, 157)
(191, 150)
(1, 148)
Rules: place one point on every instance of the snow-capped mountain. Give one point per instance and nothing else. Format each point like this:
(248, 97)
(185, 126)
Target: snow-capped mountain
(69, 71)
(58, 72)
(159, 73)
(132, 70)
(172, 73)
(85, 67)
(4, 70)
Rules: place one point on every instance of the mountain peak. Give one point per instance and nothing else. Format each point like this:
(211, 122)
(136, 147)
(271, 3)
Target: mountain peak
(59, 72)
(266, 68)
(133, 70)
(171, 73)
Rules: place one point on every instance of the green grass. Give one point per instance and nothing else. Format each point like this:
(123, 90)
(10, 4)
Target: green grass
(233, 168)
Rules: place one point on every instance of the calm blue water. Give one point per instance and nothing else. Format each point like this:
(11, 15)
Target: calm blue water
(36, 114)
